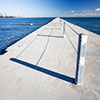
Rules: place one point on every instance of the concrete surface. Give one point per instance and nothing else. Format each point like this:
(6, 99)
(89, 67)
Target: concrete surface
(42, 66)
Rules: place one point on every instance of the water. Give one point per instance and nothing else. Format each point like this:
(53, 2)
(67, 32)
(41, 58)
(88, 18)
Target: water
(91, 23)
(14, 29)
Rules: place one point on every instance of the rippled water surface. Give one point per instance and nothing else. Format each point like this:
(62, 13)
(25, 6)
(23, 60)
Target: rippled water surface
(14, 29)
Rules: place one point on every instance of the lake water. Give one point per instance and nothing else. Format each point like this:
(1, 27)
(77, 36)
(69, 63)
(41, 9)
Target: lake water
(90, 23)
(14, 29)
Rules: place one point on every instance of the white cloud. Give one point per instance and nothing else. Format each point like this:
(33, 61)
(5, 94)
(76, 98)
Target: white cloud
(97, 9)
(87, 14)
(84, 13)
(73, 11)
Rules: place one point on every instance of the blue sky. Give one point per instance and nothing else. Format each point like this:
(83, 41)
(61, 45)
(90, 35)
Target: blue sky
(48, 8)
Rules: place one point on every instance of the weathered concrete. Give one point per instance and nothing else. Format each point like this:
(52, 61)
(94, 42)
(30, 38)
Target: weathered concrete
(34, 68)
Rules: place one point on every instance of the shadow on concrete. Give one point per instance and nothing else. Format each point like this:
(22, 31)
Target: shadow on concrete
(46, 71)
(2, 52)
(43, 50)
(71, 43)
(72, 29)
(50, 36)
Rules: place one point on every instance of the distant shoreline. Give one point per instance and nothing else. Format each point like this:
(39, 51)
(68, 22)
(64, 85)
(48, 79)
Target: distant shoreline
(7, 17)
(45, 17)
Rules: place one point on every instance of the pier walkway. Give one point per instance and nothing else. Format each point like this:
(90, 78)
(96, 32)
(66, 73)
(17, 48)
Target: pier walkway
(42, 66)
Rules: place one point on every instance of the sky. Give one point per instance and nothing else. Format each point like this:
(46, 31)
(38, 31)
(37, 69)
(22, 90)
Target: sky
(50, 8)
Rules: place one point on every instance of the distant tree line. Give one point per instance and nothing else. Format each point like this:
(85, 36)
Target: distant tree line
(2, 16)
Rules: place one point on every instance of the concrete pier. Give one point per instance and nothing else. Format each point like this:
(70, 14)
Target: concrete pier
(42, 66)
